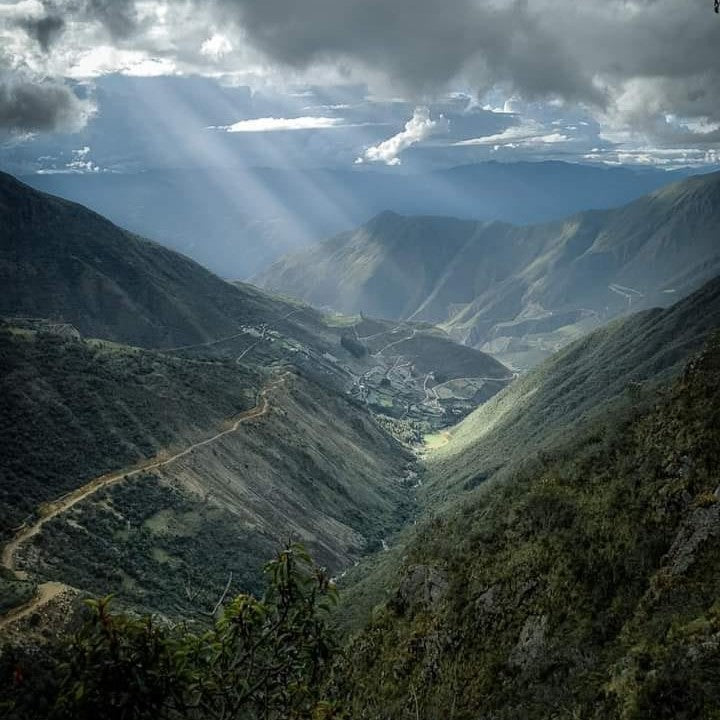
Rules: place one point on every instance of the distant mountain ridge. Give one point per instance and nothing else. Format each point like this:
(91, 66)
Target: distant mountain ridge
(519, 292)
(236, 221)
(65, 263)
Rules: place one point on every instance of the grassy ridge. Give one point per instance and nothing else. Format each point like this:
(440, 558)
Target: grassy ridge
(617, 363)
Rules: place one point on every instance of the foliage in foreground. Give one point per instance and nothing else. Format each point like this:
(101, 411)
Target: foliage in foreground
(261, 659)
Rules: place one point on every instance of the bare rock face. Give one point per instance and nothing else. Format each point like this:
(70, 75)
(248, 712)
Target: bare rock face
(702, 524)
(532, 642)
(422, 587)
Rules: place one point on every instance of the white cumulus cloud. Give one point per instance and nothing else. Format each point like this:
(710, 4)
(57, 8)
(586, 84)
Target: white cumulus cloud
(420, 127)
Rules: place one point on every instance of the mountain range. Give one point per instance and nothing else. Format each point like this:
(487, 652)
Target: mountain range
(517, 292)
(564, 559)
(237, 221)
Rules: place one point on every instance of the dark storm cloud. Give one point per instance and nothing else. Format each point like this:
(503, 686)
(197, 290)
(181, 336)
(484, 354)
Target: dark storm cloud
(643, 65)
(45, 29)
(119, 17)
(39, 106)
(418, 44)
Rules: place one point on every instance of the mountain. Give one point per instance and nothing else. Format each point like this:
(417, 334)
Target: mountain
(518, 292)
(59, 260)
(564, 565)
(237, 221)
(586, 384)
(619, 363)
(181, 427)
(172, 496)
(63, 262)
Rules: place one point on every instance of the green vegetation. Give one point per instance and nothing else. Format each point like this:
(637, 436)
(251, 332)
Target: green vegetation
(156, 548)
(260, 659)
(552, 555)
(615, 365)
(579, 584)
(316, 468)
(13, 592)
(353, 346)
(81, 408)
(432, 353)
(517, 292)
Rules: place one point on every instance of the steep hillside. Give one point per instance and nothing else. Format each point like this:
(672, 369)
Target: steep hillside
(617, 363)
(216, 496)
(518, 292)
(578, 582)
(157, 474)
(80, 409)
(613, 370)
(61, 261)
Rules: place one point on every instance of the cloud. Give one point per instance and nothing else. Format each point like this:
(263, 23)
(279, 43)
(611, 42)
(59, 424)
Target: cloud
(418, 45)
(527, 133)
(27, 106)
(645, 70)
(216, 46)
(107, 59)
(418, 128)
(272, 124)
(119, 17)
(594, 54)
(656, 157)
(45, 29)
(81, 162)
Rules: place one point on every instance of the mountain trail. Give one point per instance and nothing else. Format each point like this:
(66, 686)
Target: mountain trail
(50, 590)
(45, 593)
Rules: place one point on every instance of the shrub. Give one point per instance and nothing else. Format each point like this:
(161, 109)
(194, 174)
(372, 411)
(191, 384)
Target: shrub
(262, 658)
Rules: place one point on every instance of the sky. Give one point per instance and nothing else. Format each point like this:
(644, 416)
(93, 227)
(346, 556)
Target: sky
(91, 86)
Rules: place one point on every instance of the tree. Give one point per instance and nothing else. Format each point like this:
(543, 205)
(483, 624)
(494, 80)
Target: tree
(353, 346)
(261, 659)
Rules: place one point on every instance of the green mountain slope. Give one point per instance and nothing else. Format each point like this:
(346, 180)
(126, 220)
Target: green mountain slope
(518, 292)
(74, 410)
(60, 260)
(313, 467)
(574, 576)
(616, 367)
(617, 363)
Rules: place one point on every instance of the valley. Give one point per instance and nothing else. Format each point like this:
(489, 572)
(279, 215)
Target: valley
(218, 424)
(359, 360)
(500, 535)
(554, 554)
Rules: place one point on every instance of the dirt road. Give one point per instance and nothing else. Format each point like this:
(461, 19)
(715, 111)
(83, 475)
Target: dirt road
(47, 591)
